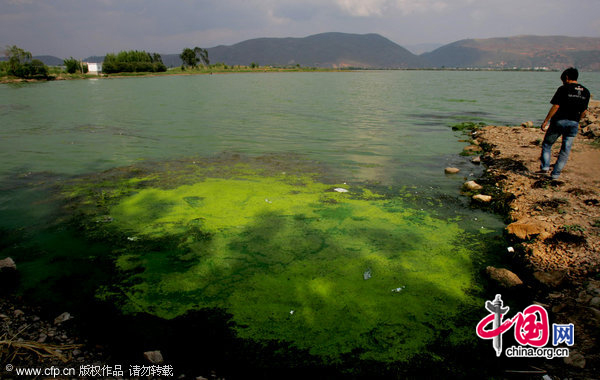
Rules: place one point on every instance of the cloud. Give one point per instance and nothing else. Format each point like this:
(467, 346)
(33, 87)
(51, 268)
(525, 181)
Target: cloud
(363, 8)
(378, 8)
(86, 27)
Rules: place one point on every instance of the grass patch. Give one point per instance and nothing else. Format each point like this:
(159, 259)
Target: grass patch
(467, 126)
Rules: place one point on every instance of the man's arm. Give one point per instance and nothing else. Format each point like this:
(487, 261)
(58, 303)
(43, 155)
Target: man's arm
(551, 113)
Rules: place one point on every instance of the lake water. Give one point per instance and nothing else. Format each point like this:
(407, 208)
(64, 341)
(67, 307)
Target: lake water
(100, 177)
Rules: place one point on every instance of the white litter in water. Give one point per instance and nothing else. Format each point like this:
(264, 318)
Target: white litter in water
(132, 238)
(510, 249)
(367, 274)
(268, 201)
(398, 290)
(292, 312)
(340, 190)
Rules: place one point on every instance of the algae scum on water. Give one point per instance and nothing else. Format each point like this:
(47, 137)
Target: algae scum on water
(287, 256)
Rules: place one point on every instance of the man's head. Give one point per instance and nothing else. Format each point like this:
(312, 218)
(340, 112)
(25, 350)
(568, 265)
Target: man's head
(569, 74)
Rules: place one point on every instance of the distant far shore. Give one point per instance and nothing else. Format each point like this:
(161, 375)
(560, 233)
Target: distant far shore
(240, 69)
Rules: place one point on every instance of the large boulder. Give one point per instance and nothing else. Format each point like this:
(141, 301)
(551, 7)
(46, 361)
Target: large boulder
(527, 228)
(503, 277)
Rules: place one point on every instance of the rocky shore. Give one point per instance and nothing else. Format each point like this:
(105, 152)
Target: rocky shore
(553, 228)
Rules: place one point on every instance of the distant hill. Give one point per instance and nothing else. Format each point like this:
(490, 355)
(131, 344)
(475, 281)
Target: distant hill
(422, 48)
(553, 52)
(335, 50)
(48, 60)
(372, 51)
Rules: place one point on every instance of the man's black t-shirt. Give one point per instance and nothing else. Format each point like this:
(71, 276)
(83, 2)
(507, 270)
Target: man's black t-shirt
(572, 99)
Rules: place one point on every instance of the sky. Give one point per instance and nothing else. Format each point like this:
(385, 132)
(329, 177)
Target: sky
(81, 28)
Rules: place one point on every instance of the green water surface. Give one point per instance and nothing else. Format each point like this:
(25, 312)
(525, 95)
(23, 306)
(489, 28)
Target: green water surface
(118, 190)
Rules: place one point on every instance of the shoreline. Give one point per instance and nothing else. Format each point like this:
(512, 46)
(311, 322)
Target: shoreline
(554, 227)
(62, 76)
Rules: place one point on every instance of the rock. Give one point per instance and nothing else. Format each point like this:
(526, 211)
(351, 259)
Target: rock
(472, 149)
(595, 302)
(42, 338)
(451, 170)
(154, 357)
(527, 124)
(7, 264)
(575, 359)
(503, 277)
(551, 279)
(583, 297)
(595, 316)
(594, 287)
(594, 129)
(526, 228)
(476, 160)
(472, 185)
(482, 198)
(62, 318)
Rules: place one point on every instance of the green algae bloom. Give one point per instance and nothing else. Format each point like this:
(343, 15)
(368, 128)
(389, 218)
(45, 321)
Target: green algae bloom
(287, 257)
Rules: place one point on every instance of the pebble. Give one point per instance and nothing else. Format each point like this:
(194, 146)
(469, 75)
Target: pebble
(154, 357)
(62, 318)
(482, 198)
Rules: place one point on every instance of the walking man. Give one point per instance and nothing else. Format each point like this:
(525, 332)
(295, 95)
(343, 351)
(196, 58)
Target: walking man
(569, 105)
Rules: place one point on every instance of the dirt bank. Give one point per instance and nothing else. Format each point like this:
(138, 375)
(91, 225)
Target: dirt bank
(554, 227)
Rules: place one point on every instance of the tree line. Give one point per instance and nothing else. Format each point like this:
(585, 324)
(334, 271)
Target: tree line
(133, 61)
(20, 64)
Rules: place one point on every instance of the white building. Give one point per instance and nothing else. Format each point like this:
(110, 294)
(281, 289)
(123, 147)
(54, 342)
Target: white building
(94, 68)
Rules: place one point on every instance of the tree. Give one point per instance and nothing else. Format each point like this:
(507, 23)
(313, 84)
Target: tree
(188, 56)
(191, 57)
(72, 65)
(21, 65)
(203, 54)
(16, 58)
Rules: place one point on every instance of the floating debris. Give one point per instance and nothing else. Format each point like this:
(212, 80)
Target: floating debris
(132, 238)
(367, 274)
(340, 190)
(268, 201)
(510, 249)
(292, 312)
(398, 290)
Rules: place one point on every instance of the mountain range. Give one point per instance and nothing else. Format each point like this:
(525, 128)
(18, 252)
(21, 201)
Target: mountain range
(373, 51)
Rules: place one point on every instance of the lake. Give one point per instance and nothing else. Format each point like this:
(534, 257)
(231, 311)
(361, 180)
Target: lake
(302, 218)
